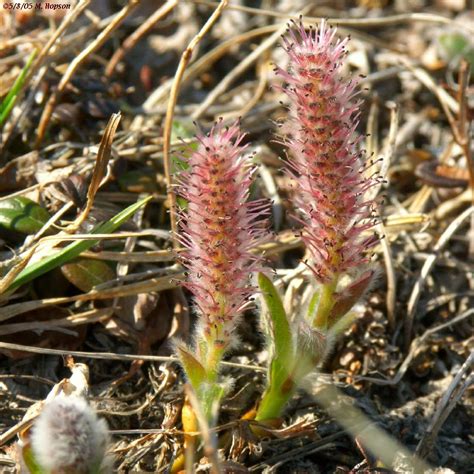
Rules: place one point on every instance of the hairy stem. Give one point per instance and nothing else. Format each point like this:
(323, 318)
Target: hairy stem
(274, 400)
(326, 303)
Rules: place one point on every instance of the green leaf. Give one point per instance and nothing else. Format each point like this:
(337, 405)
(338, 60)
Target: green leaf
(76, 248)
(280, 384)
(456, 46)
(178, 164)
(194, 370)
(279, 327)
(453, 44)
(23, 215)
(85, 273)
(183, 130)
(7, 104)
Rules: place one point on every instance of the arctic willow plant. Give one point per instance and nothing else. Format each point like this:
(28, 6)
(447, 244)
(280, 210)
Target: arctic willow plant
(218, 230)
(331, 184)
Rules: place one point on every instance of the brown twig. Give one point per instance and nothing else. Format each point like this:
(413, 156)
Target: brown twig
(185, 58)
(152, 284)
(74, 65)
(86, 317)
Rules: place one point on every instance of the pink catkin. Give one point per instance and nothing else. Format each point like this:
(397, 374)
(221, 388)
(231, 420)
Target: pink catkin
(219, 229)
(324, 160)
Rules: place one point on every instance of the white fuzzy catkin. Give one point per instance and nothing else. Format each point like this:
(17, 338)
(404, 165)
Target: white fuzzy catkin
(68, 437)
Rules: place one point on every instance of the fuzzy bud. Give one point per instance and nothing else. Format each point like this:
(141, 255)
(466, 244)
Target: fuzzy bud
(68, 437)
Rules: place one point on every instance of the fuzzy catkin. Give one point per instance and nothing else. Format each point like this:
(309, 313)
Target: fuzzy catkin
(324, 160)
(68, 437)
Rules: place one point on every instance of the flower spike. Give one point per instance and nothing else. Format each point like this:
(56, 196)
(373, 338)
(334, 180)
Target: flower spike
(219, 230)
(324, 159)
(336, 213)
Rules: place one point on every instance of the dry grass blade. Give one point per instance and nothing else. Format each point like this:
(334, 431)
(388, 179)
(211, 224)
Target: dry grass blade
(272, 190)
(383, 446)
(100, 168)
(74, 65)
(426, 269)
(8, 279)
(387, 153)
(446, 404)
(415, 348)
(452, 205)
(86, 317)
(263, 69)
(185, 58)
(391, 278)
(205, 62)
(153, 284)
(151, 256)
(68, 20)
(448, 103)
(17, 428)
(358, 22)
(112, 355)
(237, 71)
(141, 31)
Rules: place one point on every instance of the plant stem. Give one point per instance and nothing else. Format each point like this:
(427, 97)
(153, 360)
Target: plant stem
(277, 395)
(273, 402)
(326, 302)
(213, 358)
